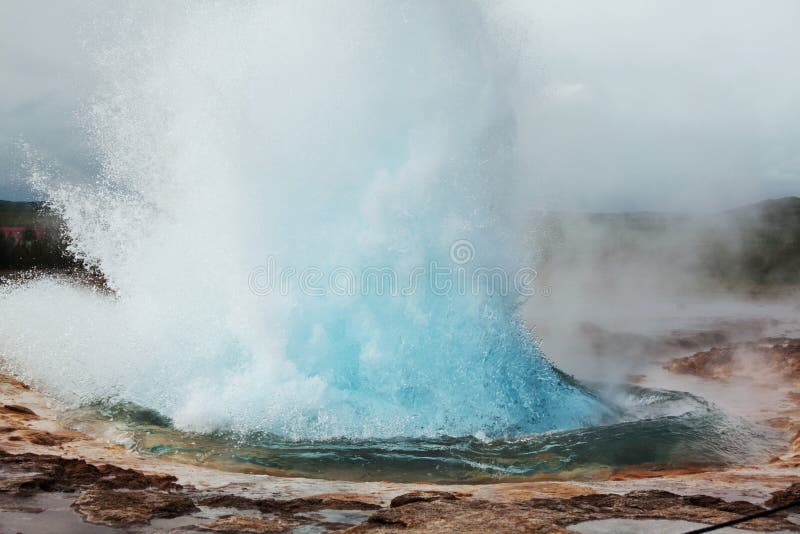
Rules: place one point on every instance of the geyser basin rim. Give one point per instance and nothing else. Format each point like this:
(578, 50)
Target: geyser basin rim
(662, 428)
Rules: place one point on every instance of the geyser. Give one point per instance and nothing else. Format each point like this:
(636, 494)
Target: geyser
(359, 135)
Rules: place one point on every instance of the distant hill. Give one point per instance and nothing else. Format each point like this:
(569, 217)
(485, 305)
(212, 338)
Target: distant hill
(754, 248)
(26, 214)
(768, 251)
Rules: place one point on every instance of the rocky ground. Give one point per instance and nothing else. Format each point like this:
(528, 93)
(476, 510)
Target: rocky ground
(54, 479)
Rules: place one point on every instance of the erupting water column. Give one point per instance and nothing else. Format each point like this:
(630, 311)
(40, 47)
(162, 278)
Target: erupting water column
(333, 138)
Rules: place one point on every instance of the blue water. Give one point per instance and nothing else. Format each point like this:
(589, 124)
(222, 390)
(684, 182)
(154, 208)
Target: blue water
(455, 366)
(657, 429)
(359, 136)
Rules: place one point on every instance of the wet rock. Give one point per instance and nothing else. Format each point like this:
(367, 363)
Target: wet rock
(41, 437)
(715, 363)
(16, 409)
(784, 497)
(18, 484)
(555, 515)
(737, 507)
(113, 477)
(119, 508)
(290, 506)
(245, 524)
(54, 473)
(462, 515)
(785, 356)
(655, 470)
(421, 496)
(780, 356)
(778, 422)
(13, 382)
(229, 501)
(741, 508)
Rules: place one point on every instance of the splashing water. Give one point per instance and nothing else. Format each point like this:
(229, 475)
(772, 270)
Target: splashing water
(358, 135)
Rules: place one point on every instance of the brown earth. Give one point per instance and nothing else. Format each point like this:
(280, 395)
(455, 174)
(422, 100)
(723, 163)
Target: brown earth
(120, 497)
(115, 487)
(120, 508)
(249, 525)
(779, 356)
(447, 514)
(770, 363)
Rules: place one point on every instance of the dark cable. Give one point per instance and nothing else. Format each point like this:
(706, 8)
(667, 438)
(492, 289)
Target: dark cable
(746, 518)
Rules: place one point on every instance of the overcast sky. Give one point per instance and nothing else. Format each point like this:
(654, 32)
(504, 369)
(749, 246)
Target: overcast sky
(633, 104)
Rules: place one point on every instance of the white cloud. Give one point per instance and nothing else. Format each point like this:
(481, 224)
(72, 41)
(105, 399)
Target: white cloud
(691, 104)
(635, 105)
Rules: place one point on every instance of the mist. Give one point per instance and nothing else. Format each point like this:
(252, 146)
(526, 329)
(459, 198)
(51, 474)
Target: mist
(618, 292)
(617, 106)
(452, 242)
(685, 109)
(665, 106)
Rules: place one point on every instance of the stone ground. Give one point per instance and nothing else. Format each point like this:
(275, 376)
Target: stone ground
(55, 479)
